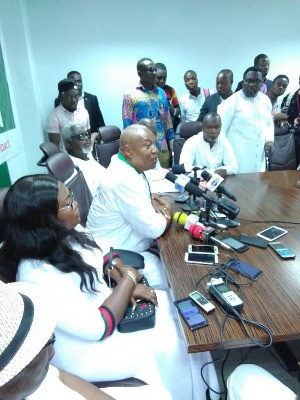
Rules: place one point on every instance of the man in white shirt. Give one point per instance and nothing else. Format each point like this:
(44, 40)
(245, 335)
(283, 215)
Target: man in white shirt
(78, 145)
(124, 213)
(249, 381)
(207, 149)
(247, 123)
(66, 113)
(191, 102)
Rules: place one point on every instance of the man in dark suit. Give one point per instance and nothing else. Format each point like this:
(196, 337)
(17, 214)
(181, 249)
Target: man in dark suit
(263, 63)
(89, 101)
(224, 82)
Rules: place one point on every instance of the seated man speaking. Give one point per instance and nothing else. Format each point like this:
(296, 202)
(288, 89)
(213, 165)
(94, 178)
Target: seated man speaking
(124, 214)
(208, 150)
(78, 144)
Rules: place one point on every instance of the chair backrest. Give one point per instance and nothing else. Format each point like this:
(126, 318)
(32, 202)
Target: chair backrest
(48, 150)
(284, 155)
(108, 146)
(62, 167)
(187, 130)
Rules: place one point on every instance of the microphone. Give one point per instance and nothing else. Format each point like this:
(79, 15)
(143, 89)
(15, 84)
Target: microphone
(219, 243)
(185, 220)
(191, 186)
(182, 168)
(220, 189)
(199, 231)
(180, 218)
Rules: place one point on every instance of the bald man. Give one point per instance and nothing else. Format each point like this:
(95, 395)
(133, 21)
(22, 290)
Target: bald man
(124, 213)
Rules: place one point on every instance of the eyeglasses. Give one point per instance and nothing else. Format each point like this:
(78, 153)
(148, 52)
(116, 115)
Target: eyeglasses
(149, 69)
(251, 82)
(82, 136)
(70, 205)
(51, 340)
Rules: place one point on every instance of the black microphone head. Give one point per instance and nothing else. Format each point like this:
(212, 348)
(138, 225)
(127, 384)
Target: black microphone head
(171, 177)
(222, 190)
(206, 175)
(178, 169)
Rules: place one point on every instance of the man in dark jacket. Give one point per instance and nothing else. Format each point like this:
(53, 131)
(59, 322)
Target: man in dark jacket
(224, 82)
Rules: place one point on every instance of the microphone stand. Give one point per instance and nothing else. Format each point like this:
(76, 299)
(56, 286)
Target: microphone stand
(193, 204)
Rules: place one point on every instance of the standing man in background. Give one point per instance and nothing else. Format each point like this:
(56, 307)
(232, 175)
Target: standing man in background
(161, 79)
(147, 100)
(261, 62)
(87, 101)
(277, 89)
(223, 85)
(66, 113)
(191, 102)
(247, 123)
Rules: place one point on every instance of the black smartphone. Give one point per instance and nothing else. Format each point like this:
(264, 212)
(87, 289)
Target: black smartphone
(247, 270)
(253, 241)
(234, 244)
(190, 314)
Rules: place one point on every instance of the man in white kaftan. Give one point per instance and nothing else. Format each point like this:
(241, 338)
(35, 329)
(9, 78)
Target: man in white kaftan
(124, 213)
(247, 123)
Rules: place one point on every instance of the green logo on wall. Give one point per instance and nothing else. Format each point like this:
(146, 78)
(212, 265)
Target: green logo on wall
(6, 114)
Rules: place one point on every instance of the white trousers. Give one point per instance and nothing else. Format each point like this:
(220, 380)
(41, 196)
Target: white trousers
(158, 356)
(251, 382)
(154, 271)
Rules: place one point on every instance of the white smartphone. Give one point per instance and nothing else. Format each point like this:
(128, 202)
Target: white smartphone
(272, 233)
(201, 258)
(202, 248)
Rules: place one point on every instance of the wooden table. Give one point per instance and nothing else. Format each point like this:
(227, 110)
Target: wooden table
(265, 199)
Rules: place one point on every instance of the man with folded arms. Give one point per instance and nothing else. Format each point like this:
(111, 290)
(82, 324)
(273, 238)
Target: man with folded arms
(124, 213)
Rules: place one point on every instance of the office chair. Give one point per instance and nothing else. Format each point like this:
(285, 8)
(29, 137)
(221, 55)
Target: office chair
(105, 148)
(3, 192)
(62, 167)
(187, 130)
(48, 149)
(284, 155)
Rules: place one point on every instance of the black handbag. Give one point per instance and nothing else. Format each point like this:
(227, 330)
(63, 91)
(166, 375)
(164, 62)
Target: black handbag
(143, 316)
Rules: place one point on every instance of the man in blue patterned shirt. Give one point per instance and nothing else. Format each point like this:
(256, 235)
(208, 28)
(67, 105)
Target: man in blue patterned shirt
(147, 100)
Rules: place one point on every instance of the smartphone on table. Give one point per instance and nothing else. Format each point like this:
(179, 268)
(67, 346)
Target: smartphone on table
(201, 258)
(272, 233)
(202, 248)
(190, 314)
(282, 250)
(253, 241)
(247, 270)
(234, 244)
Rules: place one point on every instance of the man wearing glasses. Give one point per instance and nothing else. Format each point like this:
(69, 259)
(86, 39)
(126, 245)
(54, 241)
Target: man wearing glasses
(147, 100)
(66, 113)
(247, 123)
(78, 144)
